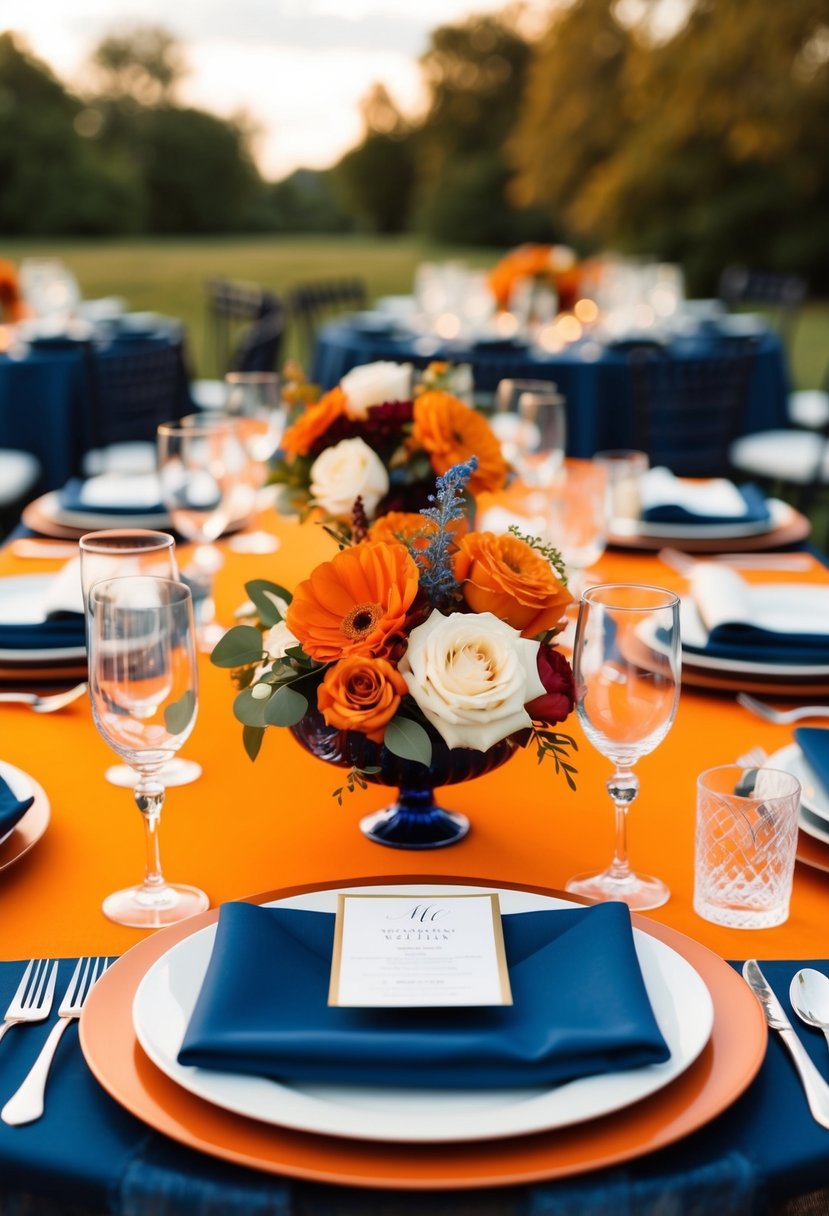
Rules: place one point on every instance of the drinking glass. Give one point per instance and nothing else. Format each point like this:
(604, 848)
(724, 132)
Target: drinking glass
(116, 553)
(626, 663)
(206, 487)
(577, 510)
(625, 469)
(255, 399)
(530, 422)
(143, 686)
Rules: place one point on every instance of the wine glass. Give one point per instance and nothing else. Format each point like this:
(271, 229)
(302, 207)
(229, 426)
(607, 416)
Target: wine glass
(116, 553)
(626, 663)
(206, 487)
(530, 422)
(255, 399)
(577, 512)
(143, 686)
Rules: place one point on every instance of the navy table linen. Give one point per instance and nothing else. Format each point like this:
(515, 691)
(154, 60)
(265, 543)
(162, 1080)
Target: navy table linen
(579, 1007)
(54, 633)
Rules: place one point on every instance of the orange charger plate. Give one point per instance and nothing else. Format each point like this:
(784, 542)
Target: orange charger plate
(725, 1068)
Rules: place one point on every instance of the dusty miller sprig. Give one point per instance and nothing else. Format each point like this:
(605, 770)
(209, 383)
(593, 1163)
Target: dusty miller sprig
(437, 578)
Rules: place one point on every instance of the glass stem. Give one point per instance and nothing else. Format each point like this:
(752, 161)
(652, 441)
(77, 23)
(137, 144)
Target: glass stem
(149, 798)
(623, 787)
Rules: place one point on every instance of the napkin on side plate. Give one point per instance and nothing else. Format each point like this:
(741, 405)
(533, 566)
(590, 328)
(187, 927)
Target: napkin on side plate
(726, 617)
(114, 494)
(813, 741)
(53, 620)
(12, 809)
(580, 1008)
(667, 499)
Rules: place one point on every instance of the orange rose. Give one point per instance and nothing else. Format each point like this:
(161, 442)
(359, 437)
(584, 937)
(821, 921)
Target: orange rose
(356, 604)
(411, 528)
(360, 693)
(313, 422)
(451, 432)
(504, 576)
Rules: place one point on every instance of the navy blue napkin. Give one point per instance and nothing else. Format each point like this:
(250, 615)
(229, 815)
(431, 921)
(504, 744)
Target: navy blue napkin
(67, 630)
(12, 808)
(813, 741)
(739, 640)
(71, 499)
(756, 511)
(580, 1008)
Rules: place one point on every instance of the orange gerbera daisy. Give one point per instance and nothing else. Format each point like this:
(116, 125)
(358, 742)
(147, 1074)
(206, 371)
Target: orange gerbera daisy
(361, 693)
(504, 576)
(313, 422)
(451, 432)
(411, 528)
(355, 604)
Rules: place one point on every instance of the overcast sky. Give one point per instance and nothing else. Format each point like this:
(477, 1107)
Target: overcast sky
(298, 67)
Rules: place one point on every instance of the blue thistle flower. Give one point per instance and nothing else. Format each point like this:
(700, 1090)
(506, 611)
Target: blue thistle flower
(437, 578)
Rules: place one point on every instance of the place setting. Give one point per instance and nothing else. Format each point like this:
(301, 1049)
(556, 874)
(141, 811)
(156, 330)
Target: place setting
(24, 813)
(42, 632)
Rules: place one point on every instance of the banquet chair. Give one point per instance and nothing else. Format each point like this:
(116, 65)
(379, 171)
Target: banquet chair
(256, 344)
(781, 294)
(688, 410)
(312, 303)
(232, 305)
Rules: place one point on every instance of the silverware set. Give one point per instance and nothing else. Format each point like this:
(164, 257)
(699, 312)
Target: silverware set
(32, 1002)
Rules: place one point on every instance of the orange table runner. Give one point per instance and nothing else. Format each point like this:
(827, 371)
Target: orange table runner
(245, 827)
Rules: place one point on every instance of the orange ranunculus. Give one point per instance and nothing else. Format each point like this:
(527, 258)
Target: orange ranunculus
(504, 576)
(361, 693)
(451, 432)
(355, 604)
(411, 528)
(313, 422)
(12, 305)
(545, 262)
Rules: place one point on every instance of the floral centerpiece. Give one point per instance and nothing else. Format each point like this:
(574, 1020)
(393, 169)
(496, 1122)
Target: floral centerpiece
(552, 266)
(417, 656)
(374, 439)
(13, 307)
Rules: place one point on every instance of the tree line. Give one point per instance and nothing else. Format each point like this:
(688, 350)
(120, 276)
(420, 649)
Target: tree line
(703, 144)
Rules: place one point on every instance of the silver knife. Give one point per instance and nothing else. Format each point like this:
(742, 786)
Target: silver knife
(815, 1087)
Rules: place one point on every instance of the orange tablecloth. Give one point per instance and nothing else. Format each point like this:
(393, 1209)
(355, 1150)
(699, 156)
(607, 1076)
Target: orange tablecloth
(245, 827)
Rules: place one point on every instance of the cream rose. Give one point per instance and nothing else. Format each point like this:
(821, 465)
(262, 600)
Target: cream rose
(471, 675)
(278, 640)
(344, 471)
(374, 383)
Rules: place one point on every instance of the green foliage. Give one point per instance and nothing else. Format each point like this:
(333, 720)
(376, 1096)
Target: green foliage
(240, 645)
(265, 596)
(550, 745)
(179, 714)
(408, 739)
(355, 777)
(548, 552)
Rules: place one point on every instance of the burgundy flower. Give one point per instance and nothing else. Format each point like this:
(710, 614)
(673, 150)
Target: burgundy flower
(556, 675)
(382, 428)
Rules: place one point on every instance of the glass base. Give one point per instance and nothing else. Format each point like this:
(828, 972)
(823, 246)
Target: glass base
(174, 772)
(399, 827)
(138, 908)
(641, 892)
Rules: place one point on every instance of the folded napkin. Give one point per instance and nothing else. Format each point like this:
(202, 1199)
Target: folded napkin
(729, 618)
(813, 741)
(580, 1008)
(12, 808)
(667, 499)
(114, 494)
(52, 620)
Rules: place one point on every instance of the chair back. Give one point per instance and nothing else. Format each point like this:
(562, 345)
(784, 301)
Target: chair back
(780, 294)
(313, 303)
(233, 305)
(259, 346)
(133, 388)
(688, 409)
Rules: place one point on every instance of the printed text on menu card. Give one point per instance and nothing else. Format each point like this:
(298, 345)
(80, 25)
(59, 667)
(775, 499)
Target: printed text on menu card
(404, 950)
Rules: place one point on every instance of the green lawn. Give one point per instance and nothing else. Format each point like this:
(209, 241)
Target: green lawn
(168, 276)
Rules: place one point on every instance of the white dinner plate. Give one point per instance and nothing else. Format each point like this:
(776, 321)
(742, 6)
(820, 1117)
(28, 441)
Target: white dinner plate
(94, 521)
(814, 801)
(779, 514)
(20, 598)
(167, 995)
(20, 785)
(704, 662)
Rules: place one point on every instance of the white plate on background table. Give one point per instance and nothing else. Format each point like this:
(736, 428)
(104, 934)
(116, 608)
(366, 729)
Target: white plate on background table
(92, 521)
(167, 994)
(813, 798)
(31, 826)
(20, 598)
(779, 512)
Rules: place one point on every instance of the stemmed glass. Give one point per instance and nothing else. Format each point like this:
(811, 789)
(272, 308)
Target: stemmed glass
(530, 421)
(143, 685)
(206, 487)
(626, 663)
(255, 399)
(116, 553)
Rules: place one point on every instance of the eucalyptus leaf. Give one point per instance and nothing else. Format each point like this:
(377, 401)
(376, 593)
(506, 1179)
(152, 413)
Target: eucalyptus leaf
(407, 739)
(179, 714)
(240, 645)
(264, 595)
(252, 737)
(248, 710)
(285, 707)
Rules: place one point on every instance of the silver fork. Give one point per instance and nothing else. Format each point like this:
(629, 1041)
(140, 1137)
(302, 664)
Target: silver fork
(44, 704)
(33, 1000)
(781, 716)
(26, 1104)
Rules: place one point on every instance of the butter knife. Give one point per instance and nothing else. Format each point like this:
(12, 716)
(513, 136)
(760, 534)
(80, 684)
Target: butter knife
(815, 1087)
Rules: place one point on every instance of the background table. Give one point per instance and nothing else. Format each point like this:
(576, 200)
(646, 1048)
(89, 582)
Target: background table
(594, 380)
(248, 827)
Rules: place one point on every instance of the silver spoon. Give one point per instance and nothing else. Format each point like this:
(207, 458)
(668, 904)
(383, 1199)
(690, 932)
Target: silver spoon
(809, 995)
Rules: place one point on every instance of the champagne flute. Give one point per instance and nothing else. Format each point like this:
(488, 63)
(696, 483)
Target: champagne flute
(116, 553)
(255, 399)
(206, 488)
(143, 686)
(626, 664)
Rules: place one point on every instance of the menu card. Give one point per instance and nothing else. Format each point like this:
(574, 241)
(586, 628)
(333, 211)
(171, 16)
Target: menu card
(429, 950)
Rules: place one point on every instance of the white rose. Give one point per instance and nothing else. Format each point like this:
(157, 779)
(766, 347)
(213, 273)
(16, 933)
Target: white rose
(471, 674)
(374, 383)
(277, 640)
(344, 471)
